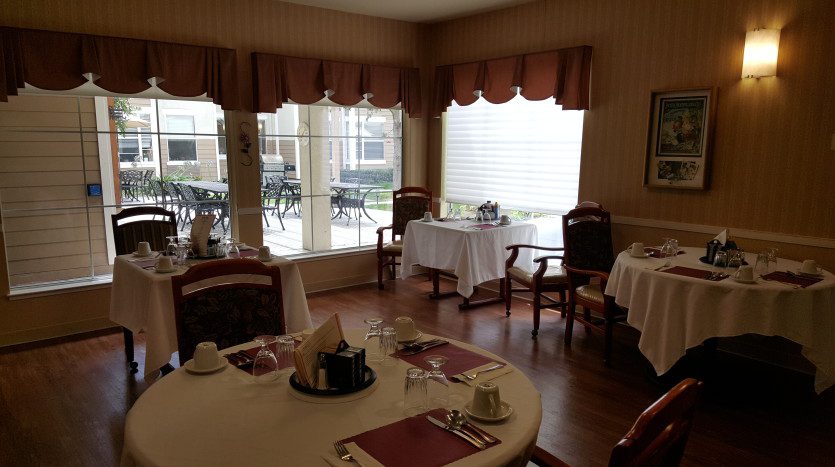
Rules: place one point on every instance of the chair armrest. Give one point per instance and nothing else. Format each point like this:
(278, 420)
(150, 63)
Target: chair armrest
(602, 275)
(546, 258)
(514, 252)
(380, 232)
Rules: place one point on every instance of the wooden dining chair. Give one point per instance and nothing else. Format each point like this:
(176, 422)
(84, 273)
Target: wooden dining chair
(408, 203)
(140, 224)
(214, 302)
(588, 260)
(657, 438)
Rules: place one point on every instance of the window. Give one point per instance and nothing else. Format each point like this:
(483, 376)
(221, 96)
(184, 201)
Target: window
(523, 154)
(340, 165)
(181, 148)
(53, 146)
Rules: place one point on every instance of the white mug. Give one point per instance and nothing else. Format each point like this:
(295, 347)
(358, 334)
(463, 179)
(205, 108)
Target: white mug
(143, 249)
(427, 216)
(264, 253)
(637, 249)
(405, 328)
(486, 400)
(745, 273)
(505, 220)
(810, 266)
(164, 263)
(205, 356)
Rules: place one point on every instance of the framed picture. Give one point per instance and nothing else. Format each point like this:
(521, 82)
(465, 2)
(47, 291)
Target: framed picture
(679, 138)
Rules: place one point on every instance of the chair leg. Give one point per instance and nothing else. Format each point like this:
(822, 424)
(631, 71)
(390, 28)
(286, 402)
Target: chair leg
(607, 342)
(562, 303)
(569, 322)
(508, 285)
(128, 336)
(380, 266)
(587, 316)
(537, 306)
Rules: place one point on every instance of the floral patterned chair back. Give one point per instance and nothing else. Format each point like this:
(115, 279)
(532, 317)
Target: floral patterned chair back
(587, 239)
(226, 313)
(409, 204)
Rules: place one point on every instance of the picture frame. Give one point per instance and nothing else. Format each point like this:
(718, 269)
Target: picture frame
(680, 138)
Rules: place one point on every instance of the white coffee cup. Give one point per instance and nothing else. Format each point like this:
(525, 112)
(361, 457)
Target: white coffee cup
(405, 328)
(745, 273)
(164, 263)
(505, 220)
(637, 249)
(205, 356)
(486, 400)
(427, 216)
(264, 253)
(809, 266)
(143, 249)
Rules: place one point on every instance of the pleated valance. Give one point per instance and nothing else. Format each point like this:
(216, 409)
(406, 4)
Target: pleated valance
(278, 79)
(563, 74)
(60, 61)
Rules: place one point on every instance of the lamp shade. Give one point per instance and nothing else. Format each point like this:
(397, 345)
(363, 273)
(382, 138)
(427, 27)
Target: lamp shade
(760, 57)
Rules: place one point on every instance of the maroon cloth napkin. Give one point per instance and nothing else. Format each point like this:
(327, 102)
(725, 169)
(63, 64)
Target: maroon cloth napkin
(656, 252)
(248, 253)
(689, 272)
(458, 359)
(414, 441)
(254, 351)
(787, 278)
(145, 263)
(484, 226)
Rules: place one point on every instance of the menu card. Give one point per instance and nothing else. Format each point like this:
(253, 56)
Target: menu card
(325, 339)
(201, 227)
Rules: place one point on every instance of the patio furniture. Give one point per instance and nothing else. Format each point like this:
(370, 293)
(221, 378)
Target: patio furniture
(587, 239)
(131, 226)
(228, 313)
(270, 199)
(408, 203)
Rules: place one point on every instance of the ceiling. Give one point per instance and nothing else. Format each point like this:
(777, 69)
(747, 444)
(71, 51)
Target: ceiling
(415, 11)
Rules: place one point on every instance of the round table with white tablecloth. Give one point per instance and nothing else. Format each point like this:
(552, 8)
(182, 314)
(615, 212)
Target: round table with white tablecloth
(675, 312)
(226, 418)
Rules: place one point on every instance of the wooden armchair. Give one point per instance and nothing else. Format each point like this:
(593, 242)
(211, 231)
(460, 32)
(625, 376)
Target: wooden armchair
(408, 203)
(588, 259)
(226, 310)
(658, 436)
(547, 278)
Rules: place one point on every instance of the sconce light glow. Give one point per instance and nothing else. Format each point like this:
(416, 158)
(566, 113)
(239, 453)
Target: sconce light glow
(760, 57)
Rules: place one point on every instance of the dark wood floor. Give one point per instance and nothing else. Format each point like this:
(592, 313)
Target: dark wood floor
(64, 402)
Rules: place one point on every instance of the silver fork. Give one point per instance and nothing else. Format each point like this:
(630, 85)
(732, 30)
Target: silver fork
(491, 368)
(342, 452)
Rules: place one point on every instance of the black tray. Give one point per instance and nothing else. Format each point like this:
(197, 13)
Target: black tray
(370, 377)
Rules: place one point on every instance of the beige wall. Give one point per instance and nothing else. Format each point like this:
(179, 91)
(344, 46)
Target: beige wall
(772, 162)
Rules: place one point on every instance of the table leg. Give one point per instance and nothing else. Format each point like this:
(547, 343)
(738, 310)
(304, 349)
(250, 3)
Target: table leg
(362, 205)
(128, 336)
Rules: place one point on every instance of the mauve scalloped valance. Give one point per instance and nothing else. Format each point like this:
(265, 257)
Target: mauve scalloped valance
(563, 74)
(60, 61)
(278, 79)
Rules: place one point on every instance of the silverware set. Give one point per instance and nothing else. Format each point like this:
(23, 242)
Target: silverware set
(418, 347)
(475, 374)
(716, 276)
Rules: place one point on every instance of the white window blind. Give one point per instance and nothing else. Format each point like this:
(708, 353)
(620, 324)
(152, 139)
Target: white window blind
(523, 154)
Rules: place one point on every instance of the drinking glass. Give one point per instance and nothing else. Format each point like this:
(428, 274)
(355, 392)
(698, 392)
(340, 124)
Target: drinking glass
(761, 266)
(232, 250)
(286, 347)
(183, 249)
(720, 261)
(372, 352)
(479, 217)
(388, 344)
(171, 248)
(265, 367)
(772, 257)
(437, 385)
(414, 392)
(736, 258)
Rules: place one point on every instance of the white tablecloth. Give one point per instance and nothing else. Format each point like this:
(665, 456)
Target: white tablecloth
(141, 300)
(675, 313)
(228, 419)
(476, 256)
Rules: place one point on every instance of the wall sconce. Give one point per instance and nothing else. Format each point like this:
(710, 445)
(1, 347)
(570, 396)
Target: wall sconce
(760, 57)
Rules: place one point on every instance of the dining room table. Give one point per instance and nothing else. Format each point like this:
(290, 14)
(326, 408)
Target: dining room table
(142, 300)
(677, 303)
(474, 251)
(228, 418)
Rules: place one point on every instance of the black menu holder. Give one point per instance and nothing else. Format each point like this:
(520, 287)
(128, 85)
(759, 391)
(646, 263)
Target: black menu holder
(345, 367)
(712, 247)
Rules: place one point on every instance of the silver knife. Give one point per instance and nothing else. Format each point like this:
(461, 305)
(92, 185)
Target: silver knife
(469, 438)
(425, 347)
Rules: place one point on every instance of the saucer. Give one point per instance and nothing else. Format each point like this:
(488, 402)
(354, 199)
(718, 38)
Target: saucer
(164, 271)
(412, 340)
(221, 363)
(505, 223)
(265, 260)
(137, 255)
(507, 410)
(424, 220)
(806, 274)
(752, 281)
(645, 255)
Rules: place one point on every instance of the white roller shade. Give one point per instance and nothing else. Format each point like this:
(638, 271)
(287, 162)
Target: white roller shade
(523, 154)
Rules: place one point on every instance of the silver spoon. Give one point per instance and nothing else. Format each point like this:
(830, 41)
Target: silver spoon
(457, 420)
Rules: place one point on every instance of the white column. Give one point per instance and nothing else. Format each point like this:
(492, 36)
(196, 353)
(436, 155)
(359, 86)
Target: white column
(315, 165)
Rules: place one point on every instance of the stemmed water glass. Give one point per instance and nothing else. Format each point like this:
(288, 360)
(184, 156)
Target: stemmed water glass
(265, 367)
(171, 248)
(772, 256)
(375, 330)
(183, 249)
(437, 387)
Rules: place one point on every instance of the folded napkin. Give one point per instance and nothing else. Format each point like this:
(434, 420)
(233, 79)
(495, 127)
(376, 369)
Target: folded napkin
(722, 237)
(793, 279)
(412, 442)
(486, 376)
(458, 360)
(697, 273)
(360, 457)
